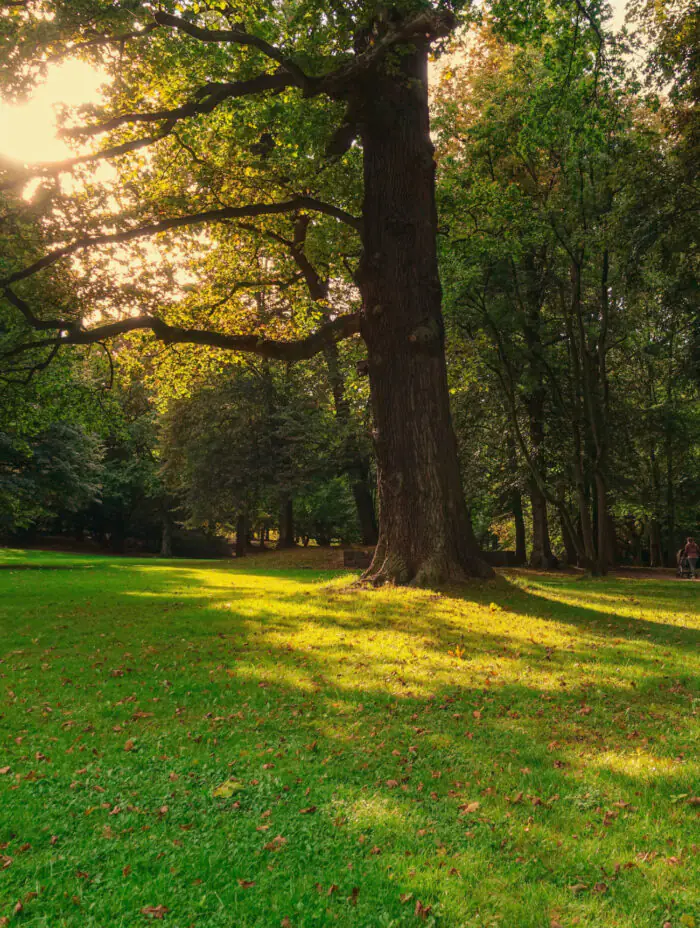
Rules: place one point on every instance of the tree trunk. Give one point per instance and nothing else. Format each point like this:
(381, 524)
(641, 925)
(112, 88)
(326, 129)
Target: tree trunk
(286, 539)
(241, 536)
(670, 508)
(541, 553)
(654, 544)
(569, 543)
(602, 524)
(425, 535)
(166, 538)
(516, 507)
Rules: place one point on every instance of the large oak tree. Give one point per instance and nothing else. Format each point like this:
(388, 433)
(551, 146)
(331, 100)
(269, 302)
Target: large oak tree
(230, 124)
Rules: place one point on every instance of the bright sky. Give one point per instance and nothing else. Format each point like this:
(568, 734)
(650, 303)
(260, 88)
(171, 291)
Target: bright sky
(28, 131)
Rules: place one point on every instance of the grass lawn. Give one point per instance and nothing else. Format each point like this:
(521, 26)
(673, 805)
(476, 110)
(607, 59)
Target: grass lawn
(220, 745)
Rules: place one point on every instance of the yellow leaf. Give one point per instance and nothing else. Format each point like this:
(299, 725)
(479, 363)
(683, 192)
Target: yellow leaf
(227, 789)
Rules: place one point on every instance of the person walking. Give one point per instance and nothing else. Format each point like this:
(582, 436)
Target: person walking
(691, 551)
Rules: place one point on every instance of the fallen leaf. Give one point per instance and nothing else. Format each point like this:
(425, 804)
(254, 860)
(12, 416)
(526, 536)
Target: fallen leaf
(275, 844)
(405, 897)
(246, 884)
(227, 789)
(470, 807)
(309, 810)
(129, 746)
(4, 771)
(155, 911)
(422, 911)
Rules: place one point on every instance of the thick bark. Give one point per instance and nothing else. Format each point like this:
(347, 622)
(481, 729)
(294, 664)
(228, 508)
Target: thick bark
(286, 539)
(425, 535)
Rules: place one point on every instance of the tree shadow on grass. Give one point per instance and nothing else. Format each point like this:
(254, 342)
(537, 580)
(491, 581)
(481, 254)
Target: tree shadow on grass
(316, 701)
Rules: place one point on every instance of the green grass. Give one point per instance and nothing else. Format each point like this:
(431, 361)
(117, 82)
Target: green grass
(537, 776)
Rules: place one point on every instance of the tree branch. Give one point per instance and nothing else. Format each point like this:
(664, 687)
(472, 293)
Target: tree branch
(206, 100)
(239, 37)
(299, 349)
(50, 168)
(179, 222)
(103, 40)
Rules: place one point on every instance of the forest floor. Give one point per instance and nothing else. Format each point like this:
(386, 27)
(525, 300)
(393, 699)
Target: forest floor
(237, 744)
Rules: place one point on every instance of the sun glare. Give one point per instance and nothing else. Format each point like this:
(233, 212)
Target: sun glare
(28, 130)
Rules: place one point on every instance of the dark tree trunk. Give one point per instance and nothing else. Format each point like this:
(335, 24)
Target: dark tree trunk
(602, 524)
(241, 536)
(425, 535)
(286, 539)
(516, 506)
(541, 553)
(166, 538)
(569, 544)
(670, 509)
(655, 559)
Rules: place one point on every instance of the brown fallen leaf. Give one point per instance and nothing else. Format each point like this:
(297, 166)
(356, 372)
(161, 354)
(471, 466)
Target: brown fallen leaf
(155, 911)
(285, 923)
(309, 810)
(422, 911)
(470, 807)
(405, 897)
(129, 746)
(126, 870)
(693, 801)
(600, 888)
(354, 893)
(276, 844)
(54, 840)
(5, 862)
(246, 884)
(4, 771)
(4, 921)
(19, 908)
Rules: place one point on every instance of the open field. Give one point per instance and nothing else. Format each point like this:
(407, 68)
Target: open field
(241, 745)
